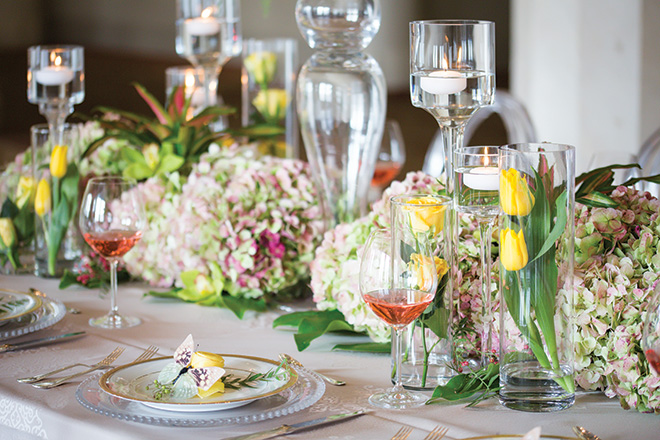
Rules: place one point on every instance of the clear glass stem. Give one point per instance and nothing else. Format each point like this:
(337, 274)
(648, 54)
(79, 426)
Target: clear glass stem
(486, 233)
(113, 287)
(398, 387)
(452, 138)
(56, 114)
(211, 74)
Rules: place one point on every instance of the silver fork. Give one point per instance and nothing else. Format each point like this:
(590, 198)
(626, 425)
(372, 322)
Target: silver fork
(403, 433)
(148, 354)
(437, 433)
(39, 377)
(330, 380)
(109, 359)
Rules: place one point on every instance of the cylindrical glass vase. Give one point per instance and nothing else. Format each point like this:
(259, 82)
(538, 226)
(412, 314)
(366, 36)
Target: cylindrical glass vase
(270, 69)
(426, 346)
(58, 244)
(537, 183)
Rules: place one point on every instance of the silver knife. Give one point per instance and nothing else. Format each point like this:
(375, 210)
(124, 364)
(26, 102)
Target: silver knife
(288, 429)
(37, 342)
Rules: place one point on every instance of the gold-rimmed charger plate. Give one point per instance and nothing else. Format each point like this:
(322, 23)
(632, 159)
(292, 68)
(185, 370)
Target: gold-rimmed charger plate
(14, 304)
(131, 381)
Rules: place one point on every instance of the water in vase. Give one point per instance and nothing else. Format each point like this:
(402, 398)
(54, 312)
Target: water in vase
(213, 45)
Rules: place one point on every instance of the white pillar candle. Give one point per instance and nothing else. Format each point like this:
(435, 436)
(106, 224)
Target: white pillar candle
(53, 75)
(201, 26)
(443, 82)
(482, 178)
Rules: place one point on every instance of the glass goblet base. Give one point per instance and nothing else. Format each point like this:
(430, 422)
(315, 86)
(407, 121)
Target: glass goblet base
(398, 399)
(115, 320)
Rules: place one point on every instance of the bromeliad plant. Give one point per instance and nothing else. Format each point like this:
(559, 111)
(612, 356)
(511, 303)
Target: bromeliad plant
(169, 143)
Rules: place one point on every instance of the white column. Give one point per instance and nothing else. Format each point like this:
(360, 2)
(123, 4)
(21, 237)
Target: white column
(587, 71)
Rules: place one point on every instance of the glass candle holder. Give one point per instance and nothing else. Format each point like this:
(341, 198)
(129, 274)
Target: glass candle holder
(537, 238)
(270, 69)
(56, 82)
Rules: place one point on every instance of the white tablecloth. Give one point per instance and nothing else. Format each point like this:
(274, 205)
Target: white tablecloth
(26, 412)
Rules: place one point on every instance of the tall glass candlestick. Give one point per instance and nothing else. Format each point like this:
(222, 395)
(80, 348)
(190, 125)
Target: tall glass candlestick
(56, 82)
(452, 74)
(477, 193)
(208, 34)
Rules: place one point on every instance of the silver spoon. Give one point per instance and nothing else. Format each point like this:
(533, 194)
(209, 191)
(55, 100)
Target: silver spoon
(584, 434)
(330, 380)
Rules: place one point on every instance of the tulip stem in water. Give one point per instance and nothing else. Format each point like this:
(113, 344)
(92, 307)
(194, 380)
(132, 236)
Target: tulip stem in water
(486, 232)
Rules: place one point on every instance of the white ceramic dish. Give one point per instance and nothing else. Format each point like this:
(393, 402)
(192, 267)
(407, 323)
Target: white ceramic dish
(136, 382)
(14, 304)
(50, 313)
(307, 390)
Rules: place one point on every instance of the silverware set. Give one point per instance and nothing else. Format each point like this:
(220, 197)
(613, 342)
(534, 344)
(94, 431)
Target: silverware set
(45, 380)
(289, 360)
(438, 433)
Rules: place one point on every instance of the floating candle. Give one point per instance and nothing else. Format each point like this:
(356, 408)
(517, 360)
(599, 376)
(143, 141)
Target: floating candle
(202, 26)
(53, 75)
(482, 178)
(443, 82)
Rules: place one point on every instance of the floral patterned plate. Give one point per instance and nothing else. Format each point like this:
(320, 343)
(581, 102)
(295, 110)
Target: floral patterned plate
(14, 305)
(136, 382)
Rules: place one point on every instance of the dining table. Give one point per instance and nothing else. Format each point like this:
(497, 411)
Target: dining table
(27, 412)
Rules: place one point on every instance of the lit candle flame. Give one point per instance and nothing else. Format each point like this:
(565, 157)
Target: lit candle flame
(486, 160)
(55, 59)
(445, 63)
(190, 81)
(206, 13)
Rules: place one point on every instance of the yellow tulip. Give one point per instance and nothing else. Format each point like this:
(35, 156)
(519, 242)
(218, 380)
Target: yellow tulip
(261, 66)
(24, 191)
(441, 267)
(202, 359)
(513, 250)
(426, 215)
(42, 201)
(272, 104)
(7, 233)
(515, 196)
(58, 161)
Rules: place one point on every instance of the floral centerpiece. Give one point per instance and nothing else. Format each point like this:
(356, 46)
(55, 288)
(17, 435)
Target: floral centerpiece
(617, 266)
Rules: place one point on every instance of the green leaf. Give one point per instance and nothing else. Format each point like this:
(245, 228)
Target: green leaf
(9, 209)
(558, 228)
(465, 385)
(259, 131)
(131, 155)
(154, 104)
(24, 223)
(597, 200)
(169, 163)
(365, 347)
(437, 322)
(312, 324)
(172, 293)
(138, 171)
(240, 305)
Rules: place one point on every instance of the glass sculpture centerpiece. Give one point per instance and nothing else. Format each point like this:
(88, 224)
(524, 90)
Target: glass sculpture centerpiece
(341, 101)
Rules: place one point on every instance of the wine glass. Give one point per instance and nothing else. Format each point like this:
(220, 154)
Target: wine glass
(477, 193)
(111, 220)
(391, 157)
(651, 331)
(397, 282)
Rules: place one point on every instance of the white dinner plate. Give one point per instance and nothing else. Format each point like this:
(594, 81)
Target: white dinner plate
(14, 305)
(50, 313)
(131, 381)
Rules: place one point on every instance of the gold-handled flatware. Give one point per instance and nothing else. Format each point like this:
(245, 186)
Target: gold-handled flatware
(403, 433)
(336, 382)
(109, 359)
(584, 434)
(438, 433)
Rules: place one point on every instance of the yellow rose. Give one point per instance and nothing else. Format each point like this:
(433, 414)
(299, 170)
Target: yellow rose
(58, 161)
(7, 233)
(426, 215)
(515, 196)
(272, 104)
(424, 267)
(42, 201)
(513, 250)
(201, 359)
(261, 66)
(441, 267)
(24, 191)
